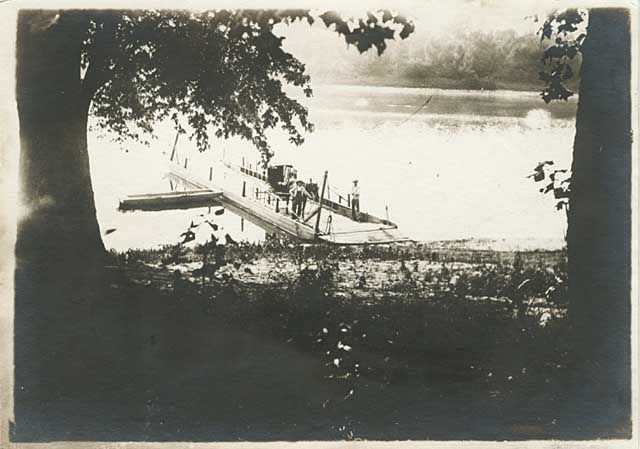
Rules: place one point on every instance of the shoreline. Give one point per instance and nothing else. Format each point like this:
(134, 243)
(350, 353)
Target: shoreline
(472, 244)
(440, 84)
(352, 272)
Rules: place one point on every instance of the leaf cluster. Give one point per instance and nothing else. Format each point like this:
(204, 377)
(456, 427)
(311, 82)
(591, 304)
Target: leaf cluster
(370, 32)
(562, 30)
(221, 72)
(559, 182)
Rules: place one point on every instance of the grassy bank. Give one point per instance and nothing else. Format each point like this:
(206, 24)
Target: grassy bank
(385, 324)
(280, 341)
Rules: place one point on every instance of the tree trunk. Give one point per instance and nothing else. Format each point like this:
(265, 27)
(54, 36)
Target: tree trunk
(59, 217)
(599, 228)
(67, 330)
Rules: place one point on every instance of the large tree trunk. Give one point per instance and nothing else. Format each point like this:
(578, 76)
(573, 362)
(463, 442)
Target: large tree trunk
(59, 220)
(61, 325)
(599, 231)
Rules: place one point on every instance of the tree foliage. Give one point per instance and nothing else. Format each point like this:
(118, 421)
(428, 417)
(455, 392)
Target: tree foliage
(223, 71)
(558, 182)
(565, 31)
(474, 59)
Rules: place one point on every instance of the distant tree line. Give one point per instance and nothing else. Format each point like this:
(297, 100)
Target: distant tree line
(474, 60)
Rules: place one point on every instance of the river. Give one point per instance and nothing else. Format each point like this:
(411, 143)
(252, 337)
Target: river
(455, 168)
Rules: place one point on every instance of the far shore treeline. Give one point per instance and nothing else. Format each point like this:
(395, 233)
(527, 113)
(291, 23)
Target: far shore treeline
(486, 60)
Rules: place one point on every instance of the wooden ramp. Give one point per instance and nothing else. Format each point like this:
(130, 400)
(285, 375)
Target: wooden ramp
(344, 231)
(266, 210)
(338, 207)
(253, 210)
(336, 225)
(366, 237)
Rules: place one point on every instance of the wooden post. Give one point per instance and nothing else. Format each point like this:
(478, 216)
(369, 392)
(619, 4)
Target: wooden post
(257, 193)
(324, 184)
(278, 205)
(175, 143)
(244, 188)
(210, 173)
(243, 161)
(241, 224)
(349, 199)
(386, 208)
(185, 162)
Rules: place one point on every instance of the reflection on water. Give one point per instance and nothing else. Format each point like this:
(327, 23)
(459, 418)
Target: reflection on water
(455, 169)
(443, 102)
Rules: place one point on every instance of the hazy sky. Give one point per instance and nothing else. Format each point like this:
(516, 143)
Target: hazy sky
(315, 44)
(467, 16)
(440, 21)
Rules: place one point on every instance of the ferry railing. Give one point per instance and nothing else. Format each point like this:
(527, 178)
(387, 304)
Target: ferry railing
(337, 195)
(333, 198)
(273, 200)
(256, 174)
(332, 194)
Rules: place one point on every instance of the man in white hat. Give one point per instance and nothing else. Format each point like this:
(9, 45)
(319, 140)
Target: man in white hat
(355, 201)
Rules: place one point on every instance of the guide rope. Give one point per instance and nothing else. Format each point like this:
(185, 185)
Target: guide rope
(420, 108)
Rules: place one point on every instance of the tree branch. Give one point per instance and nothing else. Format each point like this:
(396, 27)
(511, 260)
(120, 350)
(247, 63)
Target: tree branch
(99, 50)
(93, 80)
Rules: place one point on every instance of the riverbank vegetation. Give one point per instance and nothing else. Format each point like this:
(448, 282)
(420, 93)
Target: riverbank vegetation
(382, 325)
(478, 60)
(283, 341)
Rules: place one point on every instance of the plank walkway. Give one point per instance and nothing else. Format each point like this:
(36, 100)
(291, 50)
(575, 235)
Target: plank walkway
(265, 210)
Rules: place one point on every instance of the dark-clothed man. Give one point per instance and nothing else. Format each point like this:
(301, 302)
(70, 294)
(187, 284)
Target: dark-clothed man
(298, 198)
(312, 188)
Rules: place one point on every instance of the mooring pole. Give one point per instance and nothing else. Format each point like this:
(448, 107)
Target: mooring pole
(324, 184)
(175, 143)
(210, 173)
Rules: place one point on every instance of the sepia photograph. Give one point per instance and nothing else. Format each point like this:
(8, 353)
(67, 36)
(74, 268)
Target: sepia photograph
(324, 223)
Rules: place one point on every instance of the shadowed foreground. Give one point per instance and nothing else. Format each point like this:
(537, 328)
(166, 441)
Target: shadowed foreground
(123, 361)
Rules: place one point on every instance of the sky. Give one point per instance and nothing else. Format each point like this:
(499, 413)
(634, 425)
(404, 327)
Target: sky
(432, 23)
(461, 16)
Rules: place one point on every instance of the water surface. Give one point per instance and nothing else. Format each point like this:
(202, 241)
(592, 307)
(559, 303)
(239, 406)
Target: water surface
(451, 169)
